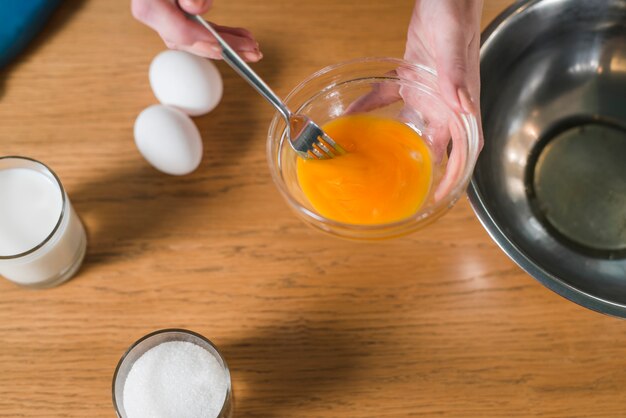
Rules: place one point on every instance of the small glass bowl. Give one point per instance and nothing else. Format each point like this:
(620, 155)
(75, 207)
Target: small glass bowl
(412, 97)
(145, 343)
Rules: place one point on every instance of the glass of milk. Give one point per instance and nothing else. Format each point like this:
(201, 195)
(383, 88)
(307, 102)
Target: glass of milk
(42, 240)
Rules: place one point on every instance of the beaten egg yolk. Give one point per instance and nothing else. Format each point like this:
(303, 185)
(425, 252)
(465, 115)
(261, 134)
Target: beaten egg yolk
(384, 177)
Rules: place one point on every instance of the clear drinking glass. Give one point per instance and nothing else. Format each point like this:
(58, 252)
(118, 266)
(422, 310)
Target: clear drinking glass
(59, 253)
(390, 88)
(141, 346)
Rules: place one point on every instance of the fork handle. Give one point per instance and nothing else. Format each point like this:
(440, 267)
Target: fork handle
(244, 70)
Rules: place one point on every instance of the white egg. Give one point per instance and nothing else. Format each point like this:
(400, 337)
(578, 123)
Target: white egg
(186, 81)
(168, 139)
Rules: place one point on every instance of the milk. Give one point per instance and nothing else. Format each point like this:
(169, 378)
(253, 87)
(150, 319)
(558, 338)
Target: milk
(42, 241)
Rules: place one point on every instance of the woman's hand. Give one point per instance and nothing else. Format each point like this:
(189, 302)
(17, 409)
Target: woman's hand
(445, 35)
(167, 18)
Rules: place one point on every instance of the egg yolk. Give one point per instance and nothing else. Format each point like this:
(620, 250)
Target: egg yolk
(384, 177)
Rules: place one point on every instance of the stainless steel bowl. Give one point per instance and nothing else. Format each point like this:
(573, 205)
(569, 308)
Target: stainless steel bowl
(550, 183)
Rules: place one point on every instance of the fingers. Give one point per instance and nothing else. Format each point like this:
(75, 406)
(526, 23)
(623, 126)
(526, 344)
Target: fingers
(233, 31)
(474, 83)
(195, 7)
(446, 34)
(451, 60)
(179, 32)
(208, 47)
(454, 167)
(204, 44)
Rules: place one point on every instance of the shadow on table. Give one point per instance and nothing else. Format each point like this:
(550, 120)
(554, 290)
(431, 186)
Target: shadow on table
(65, 11)
(127, 210)
(296, 364)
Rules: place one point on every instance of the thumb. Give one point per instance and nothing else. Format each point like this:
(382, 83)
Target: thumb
(452, 62)
(195, 7)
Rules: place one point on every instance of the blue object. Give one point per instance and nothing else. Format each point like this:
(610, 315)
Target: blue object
(20, 21)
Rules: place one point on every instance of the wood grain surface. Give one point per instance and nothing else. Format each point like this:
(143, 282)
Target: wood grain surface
(440, 323)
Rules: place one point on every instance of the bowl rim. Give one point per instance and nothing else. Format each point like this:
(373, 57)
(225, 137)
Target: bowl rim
(194, 334)
(477, 202)
(527, 264)
(405, 225)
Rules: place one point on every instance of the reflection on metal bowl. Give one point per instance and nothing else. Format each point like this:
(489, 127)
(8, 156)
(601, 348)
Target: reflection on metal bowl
(550, 184)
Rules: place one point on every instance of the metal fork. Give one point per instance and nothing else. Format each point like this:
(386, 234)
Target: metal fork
(305, 136)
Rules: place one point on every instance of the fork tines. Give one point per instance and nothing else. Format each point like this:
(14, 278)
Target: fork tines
(325, 148)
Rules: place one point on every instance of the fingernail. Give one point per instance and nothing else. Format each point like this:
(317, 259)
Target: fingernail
(248, 47)
(467, 102)
(251, 55)
(207, 49)
(193, 3)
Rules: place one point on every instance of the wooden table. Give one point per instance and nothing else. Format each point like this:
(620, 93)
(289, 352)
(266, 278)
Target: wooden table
(441, 323)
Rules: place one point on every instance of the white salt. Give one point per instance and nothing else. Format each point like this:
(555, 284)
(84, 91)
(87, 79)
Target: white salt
(175, 380)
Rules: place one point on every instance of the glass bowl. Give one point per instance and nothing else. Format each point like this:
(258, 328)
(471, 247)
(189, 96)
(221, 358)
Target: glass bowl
(385, 87)
(147, 342)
